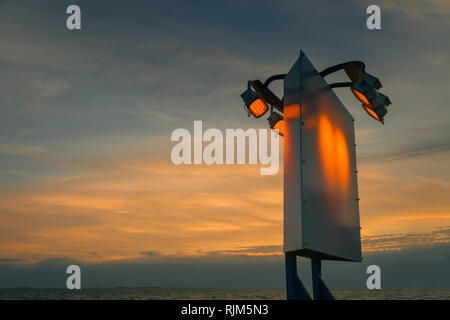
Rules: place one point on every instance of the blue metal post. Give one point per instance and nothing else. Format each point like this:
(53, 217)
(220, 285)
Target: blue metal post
(295, 290)
(320, 289)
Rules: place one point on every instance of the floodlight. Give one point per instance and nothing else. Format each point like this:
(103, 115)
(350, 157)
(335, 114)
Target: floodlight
(372, 81)
(376, 113)
(253, 102)
(267, 95)
(276, 122)
(382, 99)
(373, 102)
(364, 93)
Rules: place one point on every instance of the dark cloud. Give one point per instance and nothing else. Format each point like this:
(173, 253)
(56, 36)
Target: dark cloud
(133, 70)
(9, 260)
(406, 260)
(151, 254)
(275, 249)
(378, 243)
(411, 150)
(419, 266)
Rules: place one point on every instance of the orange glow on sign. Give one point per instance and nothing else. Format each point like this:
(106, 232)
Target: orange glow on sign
(292, 111)
(326, 145)
(334, 155)
(342, 158)
(360, 97)
(281, 126)
(258, 108)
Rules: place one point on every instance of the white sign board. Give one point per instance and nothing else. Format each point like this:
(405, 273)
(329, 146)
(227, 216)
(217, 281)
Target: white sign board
(321, 210)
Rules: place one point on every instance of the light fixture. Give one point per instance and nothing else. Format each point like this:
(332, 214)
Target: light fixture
(276, 122)
(365, 90)
(372, 81)
(382, 99)
(267, 95)
(253, 102)
(364, 93)
(373, 102)
(376, 113)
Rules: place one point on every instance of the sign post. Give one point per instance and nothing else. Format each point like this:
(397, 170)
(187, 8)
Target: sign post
(321, 211)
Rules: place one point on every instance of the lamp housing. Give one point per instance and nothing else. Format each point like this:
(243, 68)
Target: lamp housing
(276, 122)
(253, 102)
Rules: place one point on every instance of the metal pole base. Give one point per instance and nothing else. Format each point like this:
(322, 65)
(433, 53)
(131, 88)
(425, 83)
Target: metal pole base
(320, 289)
(295, 289)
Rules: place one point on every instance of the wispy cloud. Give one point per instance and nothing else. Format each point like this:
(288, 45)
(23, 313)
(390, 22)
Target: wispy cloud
(190, 207)
(18, 149)
(420, 141)
(401, 241)
(10, 260)
(124, 207)
(48, 87)
(418, 149)
(237, 271)
(250, 251)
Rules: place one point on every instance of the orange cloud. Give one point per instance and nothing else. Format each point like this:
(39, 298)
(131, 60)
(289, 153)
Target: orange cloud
(141, 205)
(147, 204)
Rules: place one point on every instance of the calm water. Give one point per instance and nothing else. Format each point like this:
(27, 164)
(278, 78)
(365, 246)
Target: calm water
(212, 294)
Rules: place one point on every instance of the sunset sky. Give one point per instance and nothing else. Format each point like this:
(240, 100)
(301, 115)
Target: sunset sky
(86, 118)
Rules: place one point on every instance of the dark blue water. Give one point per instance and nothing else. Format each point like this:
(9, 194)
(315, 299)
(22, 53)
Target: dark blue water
(213, 294)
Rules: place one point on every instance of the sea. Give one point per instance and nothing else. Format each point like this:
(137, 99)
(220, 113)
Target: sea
(124, 293)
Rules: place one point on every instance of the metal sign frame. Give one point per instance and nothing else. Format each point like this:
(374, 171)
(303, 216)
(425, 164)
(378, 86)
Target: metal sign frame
(321, 209)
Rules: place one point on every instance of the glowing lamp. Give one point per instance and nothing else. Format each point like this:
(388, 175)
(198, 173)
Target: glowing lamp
(364, 93)
(276, 122)
(253, 103)
(258, 108)
(373, 102)
(360, 96)
(376, 113)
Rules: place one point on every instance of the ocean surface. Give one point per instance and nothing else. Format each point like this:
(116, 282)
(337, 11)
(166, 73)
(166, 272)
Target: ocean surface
(213, 294)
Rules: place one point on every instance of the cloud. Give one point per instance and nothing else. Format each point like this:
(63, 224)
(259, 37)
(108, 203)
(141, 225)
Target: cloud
(376, 243)
(416, 8)
(18, 149)
(396, 242)
(419, 149)
(124, 207)
(10, 260)
(92, 253)
(151, 254)
(416, 267)
(250, 251)
(49, 87)
(119, 210)
(408, 143)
